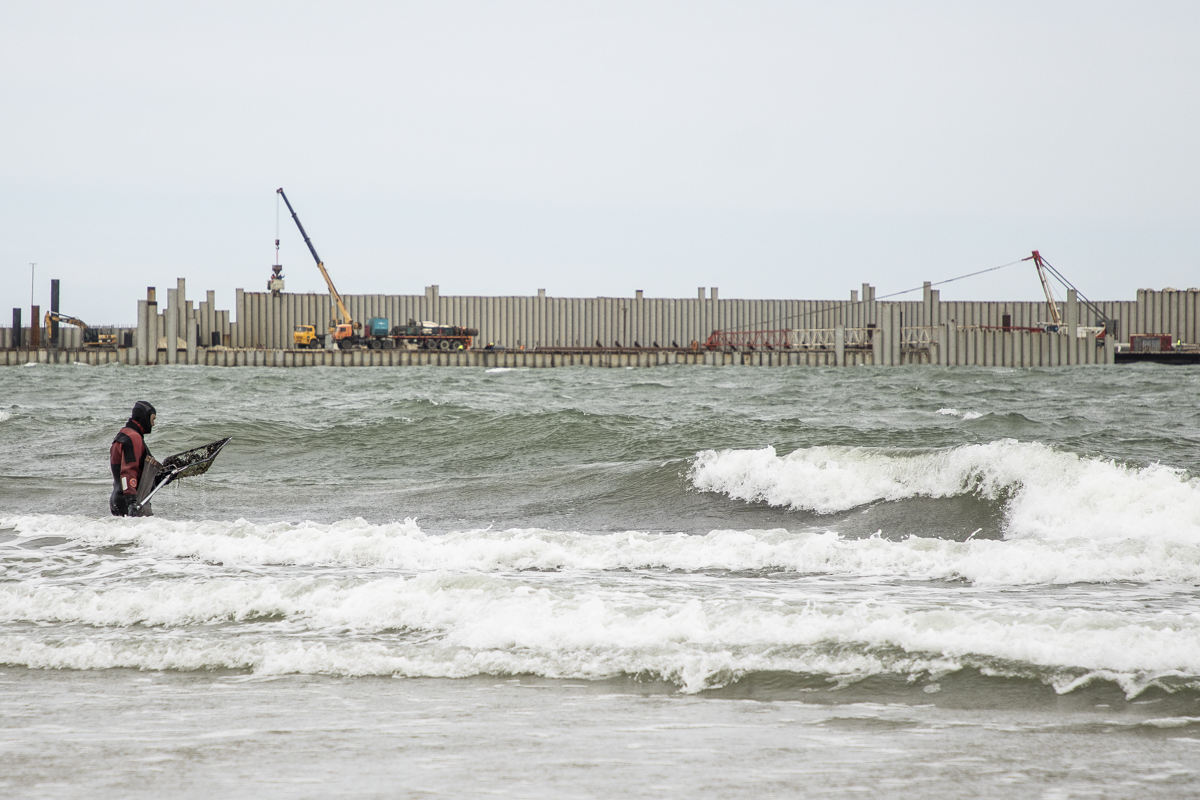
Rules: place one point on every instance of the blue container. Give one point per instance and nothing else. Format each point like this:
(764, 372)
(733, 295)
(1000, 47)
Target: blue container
(377, 326)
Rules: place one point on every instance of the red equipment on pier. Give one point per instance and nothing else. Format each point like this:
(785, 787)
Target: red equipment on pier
(754, 340)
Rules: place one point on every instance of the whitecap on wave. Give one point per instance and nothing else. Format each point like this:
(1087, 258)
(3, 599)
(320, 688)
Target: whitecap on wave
(404, 547)
(444, 624)
(954, 412)
(1047, 493)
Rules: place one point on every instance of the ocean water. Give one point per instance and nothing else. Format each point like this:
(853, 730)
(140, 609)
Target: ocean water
(913, 582)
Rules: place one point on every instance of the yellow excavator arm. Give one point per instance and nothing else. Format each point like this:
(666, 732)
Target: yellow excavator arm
(66, 319)
(91, 336)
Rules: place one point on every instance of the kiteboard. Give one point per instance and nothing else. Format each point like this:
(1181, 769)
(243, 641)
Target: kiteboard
(188, 464)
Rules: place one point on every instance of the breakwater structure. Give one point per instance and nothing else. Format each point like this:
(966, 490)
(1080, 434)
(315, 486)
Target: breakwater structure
(542, 331)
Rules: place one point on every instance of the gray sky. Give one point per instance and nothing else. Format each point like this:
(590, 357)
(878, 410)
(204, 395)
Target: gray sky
(772, 149)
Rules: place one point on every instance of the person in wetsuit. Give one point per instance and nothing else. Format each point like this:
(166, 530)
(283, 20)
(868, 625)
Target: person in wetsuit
(127, 458)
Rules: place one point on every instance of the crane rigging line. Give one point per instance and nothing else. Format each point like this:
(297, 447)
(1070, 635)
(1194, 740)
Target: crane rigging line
(276, 228)
(881, 297)
(1063, 280)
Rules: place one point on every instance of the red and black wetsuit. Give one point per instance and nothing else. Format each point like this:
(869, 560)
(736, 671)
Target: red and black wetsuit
(126, 458)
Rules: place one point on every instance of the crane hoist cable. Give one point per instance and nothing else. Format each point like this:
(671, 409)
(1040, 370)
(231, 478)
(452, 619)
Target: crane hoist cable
(847, 303)
(277, 227)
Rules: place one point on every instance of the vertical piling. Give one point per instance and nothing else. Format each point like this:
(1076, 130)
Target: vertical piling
(1072, 325)
(52, 332)
(151, 351)
(191, 333)
(239, 308)
(182, 309)
(140, 337)
(172, 325)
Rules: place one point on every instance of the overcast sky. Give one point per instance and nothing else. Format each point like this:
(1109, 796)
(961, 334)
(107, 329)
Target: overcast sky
(772, 149)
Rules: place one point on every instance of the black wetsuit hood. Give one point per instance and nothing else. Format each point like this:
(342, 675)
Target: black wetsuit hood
(142, 411)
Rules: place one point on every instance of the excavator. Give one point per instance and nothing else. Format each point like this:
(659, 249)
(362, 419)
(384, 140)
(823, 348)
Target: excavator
(343, 332)
(91, 336)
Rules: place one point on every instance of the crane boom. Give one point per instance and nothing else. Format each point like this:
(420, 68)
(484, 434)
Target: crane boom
(1055, 317)
(335, 298)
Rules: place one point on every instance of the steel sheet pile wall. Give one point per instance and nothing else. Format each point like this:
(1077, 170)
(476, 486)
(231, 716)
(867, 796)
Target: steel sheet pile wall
(541, 321)
(861, 330)
(70, 337)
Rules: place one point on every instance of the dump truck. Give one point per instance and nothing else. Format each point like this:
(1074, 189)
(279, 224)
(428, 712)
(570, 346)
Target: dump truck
(306, 337)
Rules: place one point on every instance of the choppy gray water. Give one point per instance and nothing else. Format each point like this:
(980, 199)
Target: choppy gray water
(577, 582)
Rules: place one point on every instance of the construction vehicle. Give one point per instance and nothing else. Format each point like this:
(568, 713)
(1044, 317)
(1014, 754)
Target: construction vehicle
(92, 337)
(306, 336)
(377, 335)
(343, 331)
(374, 335)
(432, 336)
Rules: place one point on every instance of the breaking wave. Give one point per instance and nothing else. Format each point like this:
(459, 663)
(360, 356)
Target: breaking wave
(456, 625)
(1047, 493)
(355, 598)
(403, 546)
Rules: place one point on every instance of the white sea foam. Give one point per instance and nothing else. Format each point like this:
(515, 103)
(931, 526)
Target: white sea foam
(1048, 493)
(5, 416)
(403, 546)
(954, 412)
(355, 598)
(444, 624)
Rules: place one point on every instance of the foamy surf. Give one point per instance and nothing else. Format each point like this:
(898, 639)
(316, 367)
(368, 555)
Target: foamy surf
(404, 547)
(456, 625)
(1047, 493)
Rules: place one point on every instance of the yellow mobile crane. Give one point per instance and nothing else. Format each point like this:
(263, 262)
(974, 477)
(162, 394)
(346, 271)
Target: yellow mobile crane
(343, 331)
(91, 336)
